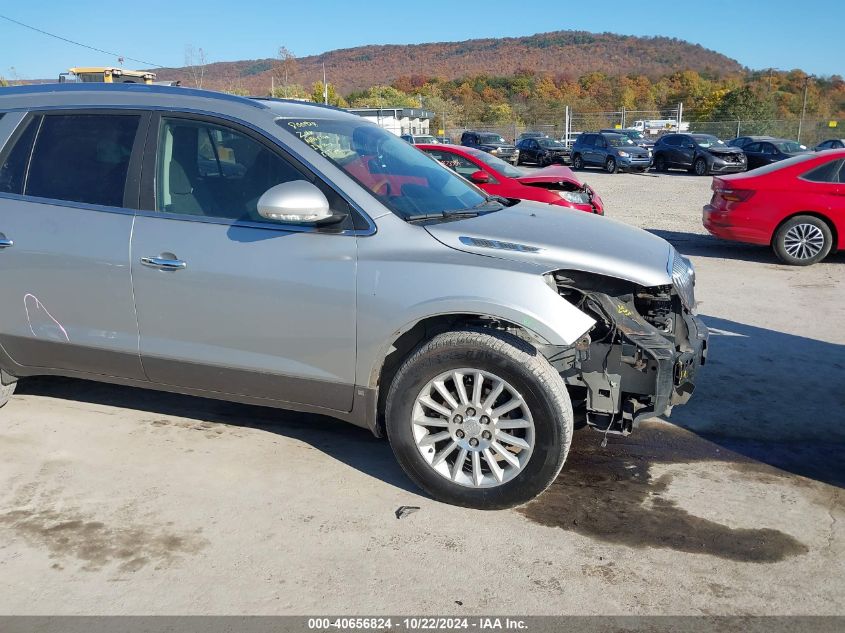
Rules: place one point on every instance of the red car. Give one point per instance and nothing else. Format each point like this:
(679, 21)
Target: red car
(554, 185)
(797, 206)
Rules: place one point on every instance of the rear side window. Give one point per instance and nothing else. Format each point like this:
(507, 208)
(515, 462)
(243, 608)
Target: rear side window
(831, 171)
(13, 169)
(82, 158)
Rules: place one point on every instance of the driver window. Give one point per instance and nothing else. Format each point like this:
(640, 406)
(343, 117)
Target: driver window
(455, 162)
(210, 170)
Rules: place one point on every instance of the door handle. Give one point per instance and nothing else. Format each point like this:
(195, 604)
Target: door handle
(5, 243)
(163, 263)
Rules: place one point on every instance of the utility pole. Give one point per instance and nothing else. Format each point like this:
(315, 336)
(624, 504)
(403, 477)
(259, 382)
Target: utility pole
(325, 86)
(803, 106)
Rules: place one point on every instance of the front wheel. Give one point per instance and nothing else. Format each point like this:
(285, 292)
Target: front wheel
(700, 167)
(577, 162)
(610, 165)
(479, 418)
(660, 163)
(803, 240)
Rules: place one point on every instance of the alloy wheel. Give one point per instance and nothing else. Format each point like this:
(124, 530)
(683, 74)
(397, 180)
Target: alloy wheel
(803, 241)
(473, 428)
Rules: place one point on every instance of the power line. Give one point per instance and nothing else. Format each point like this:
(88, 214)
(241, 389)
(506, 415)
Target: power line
(93, 48)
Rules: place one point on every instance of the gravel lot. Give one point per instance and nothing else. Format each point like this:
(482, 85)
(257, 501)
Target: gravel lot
(122, 501)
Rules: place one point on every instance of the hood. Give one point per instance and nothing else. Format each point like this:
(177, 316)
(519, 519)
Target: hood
(633, 150)
(553, 173)
(563, 239)
(728, 149)
(502, 145)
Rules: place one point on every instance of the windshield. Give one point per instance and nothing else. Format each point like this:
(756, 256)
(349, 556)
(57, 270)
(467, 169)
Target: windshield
(401, 177)
(503, 167)
(706, 140)
(426, 139)
(617, 140)
(789, 147)
(549, 143)
(494, 139)
(633, 134)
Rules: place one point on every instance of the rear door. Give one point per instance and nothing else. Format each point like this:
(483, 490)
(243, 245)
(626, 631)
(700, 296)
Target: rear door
(228, 301)
(68, 186)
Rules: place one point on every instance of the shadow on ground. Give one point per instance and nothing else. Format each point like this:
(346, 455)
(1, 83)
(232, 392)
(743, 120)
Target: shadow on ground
(769, 405)
(704, 245)
(344, 442)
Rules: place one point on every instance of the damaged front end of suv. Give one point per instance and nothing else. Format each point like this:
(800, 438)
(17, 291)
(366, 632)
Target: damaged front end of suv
(641, 356)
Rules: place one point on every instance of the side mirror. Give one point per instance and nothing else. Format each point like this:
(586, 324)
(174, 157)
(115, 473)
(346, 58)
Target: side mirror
(480, 177)
(295, 202)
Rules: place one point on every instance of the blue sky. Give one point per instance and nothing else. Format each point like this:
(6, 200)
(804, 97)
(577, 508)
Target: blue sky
(782, 34)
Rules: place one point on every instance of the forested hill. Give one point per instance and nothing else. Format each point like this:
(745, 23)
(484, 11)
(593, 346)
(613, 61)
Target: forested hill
(565, 54)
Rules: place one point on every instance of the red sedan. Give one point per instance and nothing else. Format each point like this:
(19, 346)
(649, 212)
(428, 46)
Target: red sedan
(797, 206)
(554, 185)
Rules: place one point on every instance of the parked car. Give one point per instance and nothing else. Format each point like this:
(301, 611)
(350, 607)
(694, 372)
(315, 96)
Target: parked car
(635, 135)
(526, 135)
(767, 152)
(340, 272)
(831, 143)
(796, 206)
(614, 152)
(418, 139)
(492, 144)
(553, 185)
(742, 141)
(444, 139)
(701, 154)
(541, 151)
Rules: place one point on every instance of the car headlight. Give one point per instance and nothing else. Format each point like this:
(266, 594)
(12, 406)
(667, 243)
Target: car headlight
(576, 197)
(494, 150)
(683, 278)
(622, 154)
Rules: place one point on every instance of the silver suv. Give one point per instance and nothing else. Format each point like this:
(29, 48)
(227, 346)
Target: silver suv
(294, 255)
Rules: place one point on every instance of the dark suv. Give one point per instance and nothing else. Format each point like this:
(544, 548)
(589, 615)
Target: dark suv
(491, 143)
(614, 152)
(701, 154)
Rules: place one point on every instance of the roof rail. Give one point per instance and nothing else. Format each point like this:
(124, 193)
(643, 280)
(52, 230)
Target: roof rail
(128, 87)
(297, 102)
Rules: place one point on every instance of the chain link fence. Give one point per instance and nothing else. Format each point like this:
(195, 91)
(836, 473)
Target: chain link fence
(567, 128)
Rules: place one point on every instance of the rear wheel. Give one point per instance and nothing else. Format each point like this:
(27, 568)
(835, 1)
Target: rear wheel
(803, 240)
(700, 167)
(610, 165)
(480, 419)
(577, 162)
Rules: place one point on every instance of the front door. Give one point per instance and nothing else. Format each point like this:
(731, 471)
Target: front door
(65, 224)
(228, 301)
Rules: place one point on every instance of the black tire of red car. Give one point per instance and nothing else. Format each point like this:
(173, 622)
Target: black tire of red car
(610, 165)
(779, 242)
(577, 162)
(700, 167)
(659, 163)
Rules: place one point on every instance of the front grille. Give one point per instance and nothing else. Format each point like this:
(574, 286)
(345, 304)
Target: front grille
(683, 278)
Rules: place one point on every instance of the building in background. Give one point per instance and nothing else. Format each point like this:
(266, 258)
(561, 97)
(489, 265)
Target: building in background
(398, 120)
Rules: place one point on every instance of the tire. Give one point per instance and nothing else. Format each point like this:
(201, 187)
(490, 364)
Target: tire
(544, 413)
(577, 162)
(660, 163)
(518, 161)
(610, 165)
(699, 167)
(803, 240)
(6, 391)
